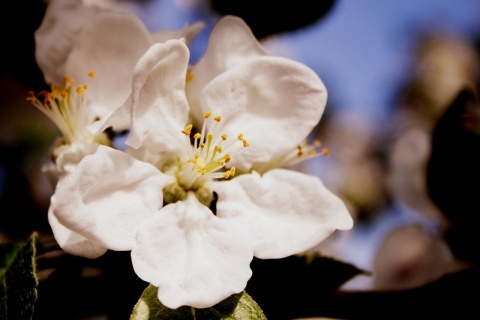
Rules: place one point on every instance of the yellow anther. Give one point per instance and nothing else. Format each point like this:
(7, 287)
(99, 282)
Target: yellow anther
(229, 173)
(300, 151)
(325, 151)
(91, 74)
(217, 118)
(245, 143)
(313, 152)
(69, 80)
(218, 148)
(207, 114)
(224, 136)
(317, 143)
(201, 171)
(188, 130)
(81, 89)
(189, 76)
(197, 135)
(240, 137)
(195, 156)
(227, 158)
(210, 137)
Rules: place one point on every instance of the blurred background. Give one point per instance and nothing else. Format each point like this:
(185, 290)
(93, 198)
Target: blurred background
(390, 67)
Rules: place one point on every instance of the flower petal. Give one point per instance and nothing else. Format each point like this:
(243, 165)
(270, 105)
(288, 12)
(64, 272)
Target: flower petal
(97, 48)
(274, 102)
(108, 196)
(287, 212)
(54, 39)
(231, 43)
(72, 242)
(158, 103)
(195, 258)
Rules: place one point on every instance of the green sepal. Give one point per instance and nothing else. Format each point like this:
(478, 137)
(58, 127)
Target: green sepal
(236, 307)
(18, 280)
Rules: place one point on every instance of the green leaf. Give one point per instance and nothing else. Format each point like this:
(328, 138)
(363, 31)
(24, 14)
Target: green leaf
(236, 307)
(18, 281)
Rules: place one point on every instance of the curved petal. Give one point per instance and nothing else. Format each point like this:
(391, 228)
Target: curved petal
(72, 242)
(286, 212)
(54, 39)
(158, 103)
(108, 196)
(195, 258)
(230, 44)
(274, 102)
(68, 156)
(111, 47)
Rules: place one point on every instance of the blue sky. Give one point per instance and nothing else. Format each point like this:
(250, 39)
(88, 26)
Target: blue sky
(362, 48)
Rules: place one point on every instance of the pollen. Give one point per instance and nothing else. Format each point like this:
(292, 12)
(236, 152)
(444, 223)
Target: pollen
(244, 141)
(229, 173)
(189, 77)
(188, 130)
(81, 89)
(312, 150)
(209, 155)
(66, 106)
(91, 74)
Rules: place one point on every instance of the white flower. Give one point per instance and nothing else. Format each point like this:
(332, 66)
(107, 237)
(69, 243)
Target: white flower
(253, 109)
(74, 44)
(75, 39)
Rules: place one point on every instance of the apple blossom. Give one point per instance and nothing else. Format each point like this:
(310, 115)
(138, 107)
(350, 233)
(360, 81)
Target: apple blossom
(186, 197)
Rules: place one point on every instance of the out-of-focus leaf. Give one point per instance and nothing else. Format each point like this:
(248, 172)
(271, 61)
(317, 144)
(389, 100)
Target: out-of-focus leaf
(294, 287)
(237, 307)
(453, 171)
(18, 282)
(267, 18)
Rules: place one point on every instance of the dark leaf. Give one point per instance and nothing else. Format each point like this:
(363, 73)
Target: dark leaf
(18, 281)
(296, 283)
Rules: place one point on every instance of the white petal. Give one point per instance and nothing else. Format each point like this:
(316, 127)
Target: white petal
(159, 106)
(72, 242)
(287, 212)
(68, 156)
(274, 102)
(230, 44)
(55, 37)
(108, 196)
(195, 258)
(111, 47)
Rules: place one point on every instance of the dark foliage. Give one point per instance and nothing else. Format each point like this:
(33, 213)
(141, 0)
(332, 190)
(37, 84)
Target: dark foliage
(266, 18)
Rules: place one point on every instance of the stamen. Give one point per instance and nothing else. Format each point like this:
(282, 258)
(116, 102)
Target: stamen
(209, 154)
(188, 130)
(68, 110)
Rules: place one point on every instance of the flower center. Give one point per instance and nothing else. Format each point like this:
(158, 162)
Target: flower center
(207, 158)
(67, 107)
